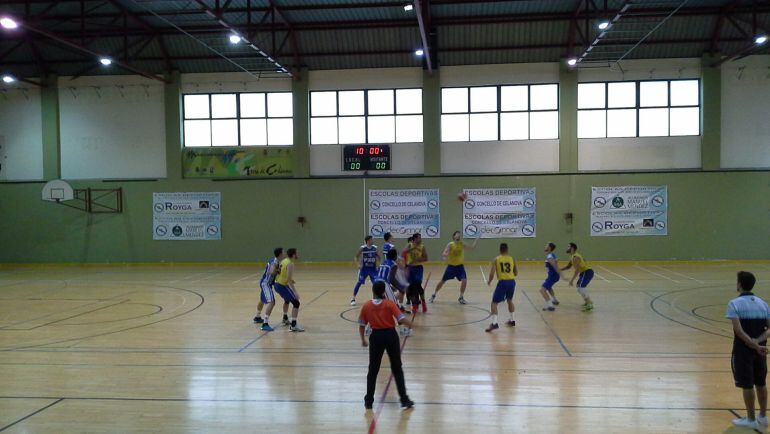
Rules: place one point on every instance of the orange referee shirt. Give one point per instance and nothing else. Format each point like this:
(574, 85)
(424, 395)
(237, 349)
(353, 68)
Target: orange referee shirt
(379, 314)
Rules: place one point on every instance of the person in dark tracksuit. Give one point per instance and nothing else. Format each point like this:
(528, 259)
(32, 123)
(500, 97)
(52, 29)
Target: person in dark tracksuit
(381, 315)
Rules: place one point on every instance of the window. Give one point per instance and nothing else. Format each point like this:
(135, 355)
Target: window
(238, 119)
(651, 108)
(365, 116)
(488, 113)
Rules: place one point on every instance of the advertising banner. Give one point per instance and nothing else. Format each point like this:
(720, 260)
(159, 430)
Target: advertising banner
(499, 213)
(186, 216)
(404, 212)
(238, 163)
(629, 211)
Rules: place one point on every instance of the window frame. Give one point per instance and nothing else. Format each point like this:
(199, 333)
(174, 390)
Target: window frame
(637, 107)
(499, 111)
(237, 118)
(365, 114)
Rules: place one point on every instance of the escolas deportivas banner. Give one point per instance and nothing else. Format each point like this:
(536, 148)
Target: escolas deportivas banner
(629, 211)
(186, 216)
(238, 163)
(404, 212)
(499, 213)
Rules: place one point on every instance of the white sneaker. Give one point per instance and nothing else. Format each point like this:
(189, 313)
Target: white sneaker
(762, 420)
(746, 423)
(353, 302)
(296, 329)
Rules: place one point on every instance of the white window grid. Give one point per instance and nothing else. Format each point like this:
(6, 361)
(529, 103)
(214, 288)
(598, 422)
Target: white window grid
(638, 108)
(238, 118)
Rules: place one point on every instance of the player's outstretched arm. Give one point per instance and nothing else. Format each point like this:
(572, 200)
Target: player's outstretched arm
(472, 246)
(445, 252)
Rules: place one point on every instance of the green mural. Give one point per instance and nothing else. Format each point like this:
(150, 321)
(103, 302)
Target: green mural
(238, 163)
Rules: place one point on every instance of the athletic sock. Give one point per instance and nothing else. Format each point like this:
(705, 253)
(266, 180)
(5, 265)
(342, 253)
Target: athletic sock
(583, 293)
(511, 315)
(494, 319)
(285, 317)
(293, 322)
(266, 317)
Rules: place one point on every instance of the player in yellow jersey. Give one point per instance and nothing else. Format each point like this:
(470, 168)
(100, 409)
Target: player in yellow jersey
(505, 268)
(416, 255)
(583, 272)
(285, 287)
(454, 255)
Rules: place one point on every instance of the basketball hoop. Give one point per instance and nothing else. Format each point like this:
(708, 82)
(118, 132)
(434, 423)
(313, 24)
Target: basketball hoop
(57, 191)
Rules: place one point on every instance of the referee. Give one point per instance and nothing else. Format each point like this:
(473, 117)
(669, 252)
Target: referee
(380, 313)
(750, 316)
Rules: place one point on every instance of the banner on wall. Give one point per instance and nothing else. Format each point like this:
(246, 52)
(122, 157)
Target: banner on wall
(186, 216)
(261, 162)
(499, 213)
(629, 211)
(404, 212)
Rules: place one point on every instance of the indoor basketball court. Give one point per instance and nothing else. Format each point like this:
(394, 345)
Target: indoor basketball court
(219, 216)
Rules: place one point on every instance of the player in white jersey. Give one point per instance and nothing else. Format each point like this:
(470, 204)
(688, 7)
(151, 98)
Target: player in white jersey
(266, 296)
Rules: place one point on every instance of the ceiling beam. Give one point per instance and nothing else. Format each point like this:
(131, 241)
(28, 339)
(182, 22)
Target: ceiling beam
(85, 50)
(293, 43)
(422, 9)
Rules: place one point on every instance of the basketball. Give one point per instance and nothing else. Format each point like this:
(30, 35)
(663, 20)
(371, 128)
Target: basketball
(461, 196)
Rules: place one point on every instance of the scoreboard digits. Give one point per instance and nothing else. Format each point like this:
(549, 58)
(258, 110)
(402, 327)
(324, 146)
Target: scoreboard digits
(366, 157)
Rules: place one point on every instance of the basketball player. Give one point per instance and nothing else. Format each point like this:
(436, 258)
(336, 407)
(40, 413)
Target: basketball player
(366, 258)
(454, 255)
(553, 276)
(505, 268)
(583, 273)
(750, 317)
(266, 297)
(387, 245)
(387, 273)
(417, 255)
(285, 286)
(380, 314)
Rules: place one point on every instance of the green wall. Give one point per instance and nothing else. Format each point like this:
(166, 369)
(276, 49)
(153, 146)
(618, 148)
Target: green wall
(712, 215)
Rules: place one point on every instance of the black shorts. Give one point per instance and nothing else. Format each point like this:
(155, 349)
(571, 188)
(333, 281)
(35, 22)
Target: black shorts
(749, 369)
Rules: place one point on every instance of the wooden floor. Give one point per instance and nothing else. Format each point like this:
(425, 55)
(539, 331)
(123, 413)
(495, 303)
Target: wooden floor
(173, 349)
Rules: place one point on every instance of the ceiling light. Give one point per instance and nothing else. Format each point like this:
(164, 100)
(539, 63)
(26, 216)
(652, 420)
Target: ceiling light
(8, 79)
(8, 23)
(572, 61)
(604, 25)
(408, 7)
(234, 39)
(418, 52)
(760, 39)
(106, 61)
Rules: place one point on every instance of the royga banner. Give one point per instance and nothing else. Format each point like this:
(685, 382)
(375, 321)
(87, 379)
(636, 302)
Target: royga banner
(499, 213)
(186, 216)
(404, 212)
(629, 211)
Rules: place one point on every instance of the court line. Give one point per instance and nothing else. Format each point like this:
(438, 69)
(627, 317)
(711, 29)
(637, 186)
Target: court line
(652, 306)
(656, 274)
(361, 366)
(616, 274)
(679, 274)
(340, 401)
(553, 332)
(32, 414)
(202, 300)
(244, 278)
(601, 277)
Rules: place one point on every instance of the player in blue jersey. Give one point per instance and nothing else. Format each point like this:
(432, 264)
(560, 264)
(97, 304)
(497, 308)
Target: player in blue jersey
(266, 296)
(387, 273)
(387, 245)
(366, 258)
(553, 276)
